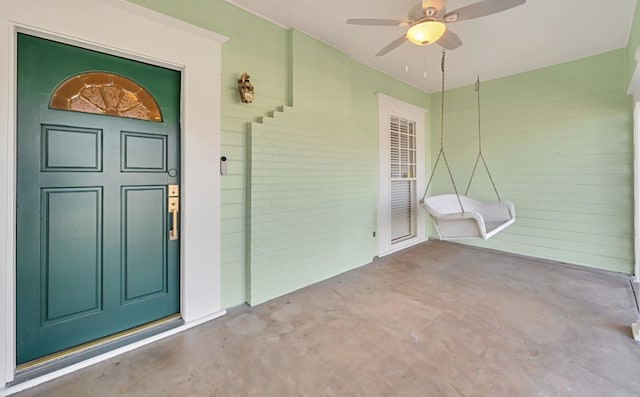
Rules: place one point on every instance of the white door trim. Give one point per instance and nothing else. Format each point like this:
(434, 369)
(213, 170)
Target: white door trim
(166, 42)
(391, 106)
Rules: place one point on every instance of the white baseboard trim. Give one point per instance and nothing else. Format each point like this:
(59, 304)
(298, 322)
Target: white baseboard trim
(102, 357)
(403, 245)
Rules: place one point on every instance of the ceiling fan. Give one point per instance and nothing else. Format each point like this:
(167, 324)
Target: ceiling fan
(427, 21)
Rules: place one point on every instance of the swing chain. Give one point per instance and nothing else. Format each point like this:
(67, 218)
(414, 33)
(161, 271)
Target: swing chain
(479, 131)
(480, 155)
(441, 153)
(442, 104)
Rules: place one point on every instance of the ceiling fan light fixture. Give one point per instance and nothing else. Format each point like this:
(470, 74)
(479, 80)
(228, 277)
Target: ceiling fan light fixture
(427, 32)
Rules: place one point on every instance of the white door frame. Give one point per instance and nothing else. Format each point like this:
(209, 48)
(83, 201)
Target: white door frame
(391, 106)
(167, 42)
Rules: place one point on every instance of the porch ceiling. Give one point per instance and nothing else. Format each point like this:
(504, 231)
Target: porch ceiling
(539, 33)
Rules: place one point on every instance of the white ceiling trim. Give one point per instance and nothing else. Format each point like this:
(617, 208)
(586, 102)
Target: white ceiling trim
(537, 34)
(259, 15)
(158, 17)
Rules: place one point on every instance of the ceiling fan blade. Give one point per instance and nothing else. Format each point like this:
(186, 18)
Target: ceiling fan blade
(481, 9)
(391, 46)
(378, 22)
(449, 40)
(435, 4)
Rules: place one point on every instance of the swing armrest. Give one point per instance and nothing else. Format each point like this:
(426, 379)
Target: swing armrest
(452, 216)
(455, 225)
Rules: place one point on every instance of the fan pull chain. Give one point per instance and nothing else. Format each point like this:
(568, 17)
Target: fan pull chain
(425, 65)
(442, 103)
(406, 59)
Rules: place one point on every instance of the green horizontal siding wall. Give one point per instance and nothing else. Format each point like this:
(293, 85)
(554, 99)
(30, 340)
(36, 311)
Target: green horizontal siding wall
(313, 178)
(264, 50)
(559, 143)
(312, 190)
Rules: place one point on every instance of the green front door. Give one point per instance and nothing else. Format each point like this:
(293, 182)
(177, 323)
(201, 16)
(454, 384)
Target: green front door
(94, 255)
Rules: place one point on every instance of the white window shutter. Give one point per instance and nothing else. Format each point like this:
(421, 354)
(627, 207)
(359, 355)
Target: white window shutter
(402, 135)
(401, 210)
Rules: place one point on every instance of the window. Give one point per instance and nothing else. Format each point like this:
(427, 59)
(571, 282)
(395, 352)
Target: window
(402, 145)
(401, 177)
(107, 94)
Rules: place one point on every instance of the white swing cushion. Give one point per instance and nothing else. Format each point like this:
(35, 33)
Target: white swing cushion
(480, 219)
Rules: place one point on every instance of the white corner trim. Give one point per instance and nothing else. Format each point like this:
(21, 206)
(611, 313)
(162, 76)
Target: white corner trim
(634, 84)
(113, 353)
(636, 184)
(634, 89)
(163, 19)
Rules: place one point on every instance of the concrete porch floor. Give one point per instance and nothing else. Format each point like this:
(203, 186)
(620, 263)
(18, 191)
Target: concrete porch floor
(434, 320)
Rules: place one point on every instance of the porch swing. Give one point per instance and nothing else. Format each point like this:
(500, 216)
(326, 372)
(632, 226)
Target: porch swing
(455, 216)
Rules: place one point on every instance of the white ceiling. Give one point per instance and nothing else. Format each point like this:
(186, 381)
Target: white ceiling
(536, 34)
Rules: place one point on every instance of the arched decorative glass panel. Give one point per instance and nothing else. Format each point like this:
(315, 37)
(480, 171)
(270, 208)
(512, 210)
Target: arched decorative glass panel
(107, 94)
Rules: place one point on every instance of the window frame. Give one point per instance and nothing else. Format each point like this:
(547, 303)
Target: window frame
(387, 107)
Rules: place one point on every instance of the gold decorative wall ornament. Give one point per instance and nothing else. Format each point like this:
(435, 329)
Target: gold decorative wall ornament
(107, 94)
(245, 88)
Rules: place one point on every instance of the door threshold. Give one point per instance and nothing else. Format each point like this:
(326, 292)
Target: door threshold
(65, 358)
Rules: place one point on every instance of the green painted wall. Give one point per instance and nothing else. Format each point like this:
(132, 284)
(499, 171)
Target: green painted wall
(558, 139)
(289, 68)
(313, 179)
(634, 43)
(559, 143)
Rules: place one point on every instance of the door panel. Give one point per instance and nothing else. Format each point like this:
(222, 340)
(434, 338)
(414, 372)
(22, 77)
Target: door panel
(71, 149)
(93, 254)
(71, 222)
(143, 152)
(144, 242)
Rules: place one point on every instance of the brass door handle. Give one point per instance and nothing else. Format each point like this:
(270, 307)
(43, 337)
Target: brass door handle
(173, 232)
(174, 206)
